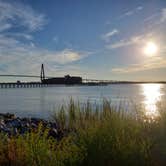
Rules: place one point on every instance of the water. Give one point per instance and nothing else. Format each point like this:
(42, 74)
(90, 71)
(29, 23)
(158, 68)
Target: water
(40, 102)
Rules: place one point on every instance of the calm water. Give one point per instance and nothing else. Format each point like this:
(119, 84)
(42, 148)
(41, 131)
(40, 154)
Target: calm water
(40, 102)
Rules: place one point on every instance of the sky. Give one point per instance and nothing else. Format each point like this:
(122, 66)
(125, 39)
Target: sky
(95, 39)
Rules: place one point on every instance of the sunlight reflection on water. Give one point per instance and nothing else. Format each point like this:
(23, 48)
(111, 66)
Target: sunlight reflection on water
(152, 95)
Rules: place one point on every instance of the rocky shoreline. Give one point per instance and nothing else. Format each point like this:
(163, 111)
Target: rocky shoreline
(14, 126)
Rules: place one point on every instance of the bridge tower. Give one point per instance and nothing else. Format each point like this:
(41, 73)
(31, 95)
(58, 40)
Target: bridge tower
(42, 74)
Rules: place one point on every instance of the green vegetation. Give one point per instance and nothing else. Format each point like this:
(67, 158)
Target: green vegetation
(100, 136)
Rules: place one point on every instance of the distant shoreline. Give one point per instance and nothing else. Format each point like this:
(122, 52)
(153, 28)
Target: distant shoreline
(127, 82)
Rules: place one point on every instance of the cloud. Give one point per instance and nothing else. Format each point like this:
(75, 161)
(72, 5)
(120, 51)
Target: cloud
(32, 44)
(139, 8)
(131, 12)
(152, 17)
(153, 63)
(163, 15)
(7, 42)
(19, 54)
(27, 58)
(127, 42)
(19, 35)
(18, 14)
(157, 18)
(121, 43)
(108, 35)
(55, 39)
(65, 56)
(5, 26)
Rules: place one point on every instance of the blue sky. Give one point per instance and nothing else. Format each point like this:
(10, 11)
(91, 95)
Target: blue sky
(100, 39)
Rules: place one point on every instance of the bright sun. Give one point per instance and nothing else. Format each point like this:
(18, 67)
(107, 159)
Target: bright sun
(150, 49)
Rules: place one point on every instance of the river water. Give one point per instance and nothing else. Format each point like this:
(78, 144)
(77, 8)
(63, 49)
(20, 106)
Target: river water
(41, 102)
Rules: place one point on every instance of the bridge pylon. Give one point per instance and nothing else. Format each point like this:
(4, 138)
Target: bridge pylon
(42, 74)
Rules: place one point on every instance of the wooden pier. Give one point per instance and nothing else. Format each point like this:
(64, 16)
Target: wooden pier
(24, 85)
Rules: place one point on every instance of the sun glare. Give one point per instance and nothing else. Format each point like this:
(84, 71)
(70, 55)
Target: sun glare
(152, 95)
(150, 49)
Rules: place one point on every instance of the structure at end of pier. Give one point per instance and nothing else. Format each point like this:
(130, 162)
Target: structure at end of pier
(69, 80)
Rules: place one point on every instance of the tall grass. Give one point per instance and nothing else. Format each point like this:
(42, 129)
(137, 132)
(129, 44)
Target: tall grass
(92, 136)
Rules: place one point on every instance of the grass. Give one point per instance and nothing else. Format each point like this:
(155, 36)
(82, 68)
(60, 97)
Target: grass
(93, 136)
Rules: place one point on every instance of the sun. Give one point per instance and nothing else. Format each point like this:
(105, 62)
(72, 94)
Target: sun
(150, 49)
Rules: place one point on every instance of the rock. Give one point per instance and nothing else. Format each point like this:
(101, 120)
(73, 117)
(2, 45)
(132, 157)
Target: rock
(14, 123)
(13, 126)
(5, 130)
(33, 125)
(7, 116)
(53, 133)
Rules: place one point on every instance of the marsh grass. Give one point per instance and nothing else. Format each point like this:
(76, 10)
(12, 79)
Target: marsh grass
(94, 135)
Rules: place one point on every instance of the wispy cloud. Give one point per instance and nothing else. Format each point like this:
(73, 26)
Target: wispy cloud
(109, 35)
(163, 15)
(152, 17)
(19, 35)
(17, 14)
(153, 63)
(15, 53)
(65, 56)
(139, 8)
(4, 26)
(156, 19)
(126, 42)
(55, 39)
(131, 12)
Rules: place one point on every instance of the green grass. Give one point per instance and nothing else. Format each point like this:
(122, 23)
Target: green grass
(94, 136)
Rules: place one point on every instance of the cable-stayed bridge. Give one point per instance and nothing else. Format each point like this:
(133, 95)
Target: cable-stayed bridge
(32, 84)
(37, 76)
(50, 81)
